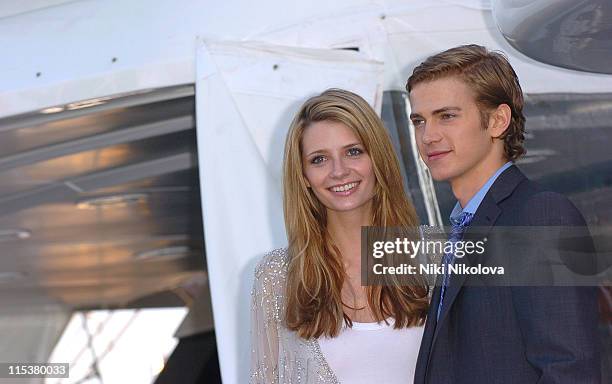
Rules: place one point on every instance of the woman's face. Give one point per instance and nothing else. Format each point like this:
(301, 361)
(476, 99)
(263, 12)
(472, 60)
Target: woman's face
(337, 167)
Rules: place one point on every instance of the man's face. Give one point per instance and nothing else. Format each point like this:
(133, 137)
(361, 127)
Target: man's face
(449, 133)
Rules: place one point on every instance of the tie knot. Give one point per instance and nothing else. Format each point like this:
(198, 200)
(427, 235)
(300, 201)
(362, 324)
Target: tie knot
(463, 220)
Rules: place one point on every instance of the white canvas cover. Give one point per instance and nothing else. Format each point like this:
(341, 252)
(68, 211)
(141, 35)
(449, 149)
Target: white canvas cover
(246, 96)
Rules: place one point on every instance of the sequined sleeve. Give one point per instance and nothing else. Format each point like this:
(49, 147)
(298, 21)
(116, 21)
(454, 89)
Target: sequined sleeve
(266, 310)
(432, 233)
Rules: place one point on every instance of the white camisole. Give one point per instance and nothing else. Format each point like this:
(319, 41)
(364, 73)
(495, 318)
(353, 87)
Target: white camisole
(373, 353)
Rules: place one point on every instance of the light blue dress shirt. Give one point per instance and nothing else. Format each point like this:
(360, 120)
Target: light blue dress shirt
(474, 203)
(471, 207)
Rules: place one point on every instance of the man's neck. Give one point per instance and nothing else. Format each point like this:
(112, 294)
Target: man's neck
(466, 185)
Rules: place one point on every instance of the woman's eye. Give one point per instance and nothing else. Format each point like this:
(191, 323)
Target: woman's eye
(354, 151)
(317, 160)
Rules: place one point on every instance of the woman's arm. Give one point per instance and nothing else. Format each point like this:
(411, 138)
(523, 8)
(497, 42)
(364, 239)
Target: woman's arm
(264, 325)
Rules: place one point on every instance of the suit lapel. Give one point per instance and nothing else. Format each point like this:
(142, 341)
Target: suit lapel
(484, 219)
(486, 215)
(428, 335)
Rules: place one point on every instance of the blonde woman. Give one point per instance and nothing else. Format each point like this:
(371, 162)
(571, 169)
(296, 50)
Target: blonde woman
(312, 321)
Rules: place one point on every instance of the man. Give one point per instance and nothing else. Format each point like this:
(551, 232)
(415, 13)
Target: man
(467, 112)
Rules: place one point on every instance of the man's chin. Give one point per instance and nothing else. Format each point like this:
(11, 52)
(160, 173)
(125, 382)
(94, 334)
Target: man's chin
(439, 176)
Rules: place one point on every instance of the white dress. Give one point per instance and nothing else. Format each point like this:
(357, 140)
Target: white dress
(279, 355)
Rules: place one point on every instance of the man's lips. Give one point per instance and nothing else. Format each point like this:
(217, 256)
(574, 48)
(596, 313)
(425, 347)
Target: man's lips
(434, 155)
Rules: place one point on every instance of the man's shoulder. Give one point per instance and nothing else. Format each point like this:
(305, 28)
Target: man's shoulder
(538, 205)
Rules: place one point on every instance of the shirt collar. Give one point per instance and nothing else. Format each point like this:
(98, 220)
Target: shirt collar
(474, 203)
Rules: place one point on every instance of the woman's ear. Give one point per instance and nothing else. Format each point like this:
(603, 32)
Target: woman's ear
(499, 120)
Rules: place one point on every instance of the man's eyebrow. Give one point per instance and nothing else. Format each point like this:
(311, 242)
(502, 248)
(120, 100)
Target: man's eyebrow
(445, 109)
(436, 112)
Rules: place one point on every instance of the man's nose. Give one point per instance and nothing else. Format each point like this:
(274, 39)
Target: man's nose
(431, 133)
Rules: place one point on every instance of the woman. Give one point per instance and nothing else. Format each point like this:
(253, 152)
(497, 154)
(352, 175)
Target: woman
(312, 321)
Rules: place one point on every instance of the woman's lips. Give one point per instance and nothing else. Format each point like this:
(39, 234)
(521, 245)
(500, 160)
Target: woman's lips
(344, 189)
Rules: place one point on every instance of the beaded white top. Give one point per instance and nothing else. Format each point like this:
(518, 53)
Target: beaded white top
(279, 355)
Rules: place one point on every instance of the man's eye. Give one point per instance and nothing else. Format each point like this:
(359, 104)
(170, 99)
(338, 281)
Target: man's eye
(447, 116)
(418, 122)
(354, 151)
(317, 159)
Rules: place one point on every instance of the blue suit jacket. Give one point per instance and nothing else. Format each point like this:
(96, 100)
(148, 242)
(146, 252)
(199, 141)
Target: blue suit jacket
(513, 334)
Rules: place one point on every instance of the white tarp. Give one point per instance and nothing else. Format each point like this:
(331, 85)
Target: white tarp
(246, 97)
(153, 46)
(403, 33)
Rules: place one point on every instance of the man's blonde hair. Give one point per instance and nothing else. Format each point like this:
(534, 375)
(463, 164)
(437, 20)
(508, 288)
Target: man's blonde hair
(490, 76)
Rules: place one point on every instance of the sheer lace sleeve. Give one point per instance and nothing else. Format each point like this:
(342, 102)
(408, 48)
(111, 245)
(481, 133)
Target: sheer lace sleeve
(431, 256)
(266, 309)
(432, 233)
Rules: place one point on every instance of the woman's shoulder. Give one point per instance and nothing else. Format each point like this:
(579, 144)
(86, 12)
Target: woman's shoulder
(273, 262)
(429, 231)
(271, 270)
(269, 284)
(428, 234)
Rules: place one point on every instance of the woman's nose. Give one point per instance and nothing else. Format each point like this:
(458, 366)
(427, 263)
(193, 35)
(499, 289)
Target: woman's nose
(339, 169)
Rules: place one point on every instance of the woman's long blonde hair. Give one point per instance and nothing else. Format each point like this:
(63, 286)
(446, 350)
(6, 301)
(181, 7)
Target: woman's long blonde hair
(316, 273)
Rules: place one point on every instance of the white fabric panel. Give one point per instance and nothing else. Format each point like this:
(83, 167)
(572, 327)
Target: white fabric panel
(11, 8)
(403, 34)
(415, 35)
(72, 43)
(154, 45)
(246, 95)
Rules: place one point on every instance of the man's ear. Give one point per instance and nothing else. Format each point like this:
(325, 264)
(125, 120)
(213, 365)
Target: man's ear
(499, 120)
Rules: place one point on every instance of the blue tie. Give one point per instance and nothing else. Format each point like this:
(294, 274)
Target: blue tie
(458, 227)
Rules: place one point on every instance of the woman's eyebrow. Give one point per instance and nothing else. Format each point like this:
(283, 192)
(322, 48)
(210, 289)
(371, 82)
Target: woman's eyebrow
(324, 150)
